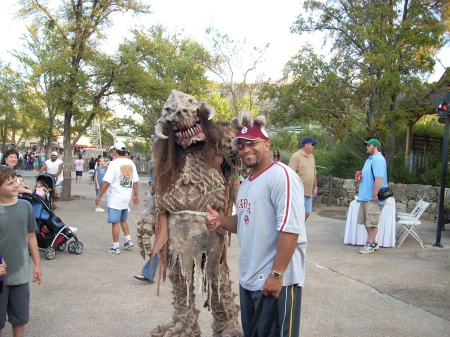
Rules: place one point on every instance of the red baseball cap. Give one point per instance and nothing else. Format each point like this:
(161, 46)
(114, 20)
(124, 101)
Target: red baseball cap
(250, 132)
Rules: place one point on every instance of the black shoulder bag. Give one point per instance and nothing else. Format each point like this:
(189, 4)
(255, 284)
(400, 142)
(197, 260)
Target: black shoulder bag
(269, 323)
(384, 192)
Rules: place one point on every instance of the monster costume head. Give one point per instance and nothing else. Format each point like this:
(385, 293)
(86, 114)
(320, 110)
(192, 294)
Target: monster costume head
(185, 126)
(181, 111)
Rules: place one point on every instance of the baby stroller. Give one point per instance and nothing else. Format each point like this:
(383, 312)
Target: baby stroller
(52, 233)
(50, 182)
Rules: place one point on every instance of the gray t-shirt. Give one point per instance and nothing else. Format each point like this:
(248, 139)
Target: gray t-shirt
(266, 204)
(16, 221)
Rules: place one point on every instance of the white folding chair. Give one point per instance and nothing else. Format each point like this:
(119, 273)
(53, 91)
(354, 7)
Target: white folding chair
(413, 213)
(408, 224)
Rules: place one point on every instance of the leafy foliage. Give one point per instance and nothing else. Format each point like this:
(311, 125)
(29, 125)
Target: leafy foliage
(233, 70)
(77, 78)
(153, 63)
(372, 81)
(285, 142)
(11, 96)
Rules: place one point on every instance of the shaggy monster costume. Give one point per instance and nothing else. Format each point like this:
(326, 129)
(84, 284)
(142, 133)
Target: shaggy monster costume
(195, 166)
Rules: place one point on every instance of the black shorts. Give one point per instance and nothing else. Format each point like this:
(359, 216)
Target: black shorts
(79, 173)
(15, 301)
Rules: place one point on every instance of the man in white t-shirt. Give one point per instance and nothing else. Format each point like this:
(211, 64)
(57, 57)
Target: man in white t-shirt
(120, 183)
(54, 166)
(270, 227)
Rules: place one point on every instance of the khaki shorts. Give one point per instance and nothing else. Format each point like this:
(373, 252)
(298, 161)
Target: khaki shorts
(58, 190)
(369, 213)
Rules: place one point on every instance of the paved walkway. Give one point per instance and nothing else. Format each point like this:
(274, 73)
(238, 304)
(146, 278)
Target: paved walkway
(394, 292)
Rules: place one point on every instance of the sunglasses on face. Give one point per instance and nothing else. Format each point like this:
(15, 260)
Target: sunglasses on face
(250, 143)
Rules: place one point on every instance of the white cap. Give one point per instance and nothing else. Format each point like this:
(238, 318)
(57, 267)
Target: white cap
(54, 153)
(119, 146)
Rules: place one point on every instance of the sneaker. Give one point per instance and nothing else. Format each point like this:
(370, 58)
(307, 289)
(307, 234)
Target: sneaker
(367, 249)
(376, 246)
(128, 244)
(113, 250)
(99, 210)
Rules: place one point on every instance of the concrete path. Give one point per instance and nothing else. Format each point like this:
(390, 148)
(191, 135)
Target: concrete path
(393, 292)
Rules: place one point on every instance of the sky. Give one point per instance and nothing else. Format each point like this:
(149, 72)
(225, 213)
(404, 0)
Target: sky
(258, 22)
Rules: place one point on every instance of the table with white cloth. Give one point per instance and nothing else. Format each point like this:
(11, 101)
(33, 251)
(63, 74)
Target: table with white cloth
(356, 234)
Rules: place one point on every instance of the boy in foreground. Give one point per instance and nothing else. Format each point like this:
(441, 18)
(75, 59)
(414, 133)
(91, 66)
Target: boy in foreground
(17, 238)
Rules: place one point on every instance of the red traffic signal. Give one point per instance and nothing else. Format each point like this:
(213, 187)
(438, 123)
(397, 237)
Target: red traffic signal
(443, 106)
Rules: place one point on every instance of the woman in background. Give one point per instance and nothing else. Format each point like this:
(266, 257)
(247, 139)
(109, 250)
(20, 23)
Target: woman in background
(79, 166)
(276, 156)
(10, 158)
(91, 170)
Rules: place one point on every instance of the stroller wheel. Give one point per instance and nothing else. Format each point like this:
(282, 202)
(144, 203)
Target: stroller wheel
(62, 247)
(71, 247)
(78, 247)
(50, 253)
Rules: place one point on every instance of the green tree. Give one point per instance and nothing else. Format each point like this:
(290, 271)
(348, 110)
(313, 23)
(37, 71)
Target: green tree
(373, 79)
(74, 31)
(42, 69)
(233, 62)
(11, 97)
(222, 107)
(154, 62)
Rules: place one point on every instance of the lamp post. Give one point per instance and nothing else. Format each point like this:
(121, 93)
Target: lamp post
(443, 111)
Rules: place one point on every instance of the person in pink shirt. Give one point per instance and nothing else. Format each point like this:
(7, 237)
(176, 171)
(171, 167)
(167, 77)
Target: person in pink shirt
(79, 165)
(40, 189)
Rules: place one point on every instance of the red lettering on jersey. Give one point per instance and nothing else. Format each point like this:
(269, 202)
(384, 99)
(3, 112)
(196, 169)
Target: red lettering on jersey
(244, 204)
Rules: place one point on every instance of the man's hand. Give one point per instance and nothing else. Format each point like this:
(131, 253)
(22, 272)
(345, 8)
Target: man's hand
(272, 286)
(212, 220)
(3, 268)
(37, 274)
(135, 200)
(315, 190)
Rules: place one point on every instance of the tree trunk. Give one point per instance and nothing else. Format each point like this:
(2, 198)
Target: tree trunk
(67, 171)
(389, 149)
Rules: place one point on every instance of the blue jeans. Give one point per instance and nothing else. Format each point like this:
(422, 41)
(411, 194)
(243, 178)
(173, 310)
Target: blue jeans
(146, 272)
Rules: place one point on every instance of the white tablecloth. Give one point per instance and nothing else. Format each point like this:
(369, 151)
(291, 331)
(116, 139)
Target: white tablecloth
(356, 234)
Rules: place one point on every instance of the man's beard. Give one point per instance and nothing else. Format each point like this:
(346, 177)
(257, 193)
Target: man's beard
(252, 163)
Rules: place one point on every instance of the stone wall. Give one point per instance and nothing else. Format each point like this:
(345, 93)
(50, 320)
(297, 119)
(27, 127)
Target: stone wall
(343, 192)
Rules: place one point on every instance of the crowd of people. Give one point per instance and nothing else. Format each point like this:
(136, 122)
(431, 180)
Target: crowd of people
(280, 197)
(118, 181)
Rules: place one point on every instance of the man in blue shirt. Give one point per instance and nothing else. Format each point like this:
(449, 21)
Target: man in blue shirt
(374, 177)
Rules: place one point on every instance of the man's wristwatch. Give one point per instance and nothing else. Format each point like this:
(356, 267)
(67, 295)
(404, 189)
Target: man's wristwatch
(276, 274)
